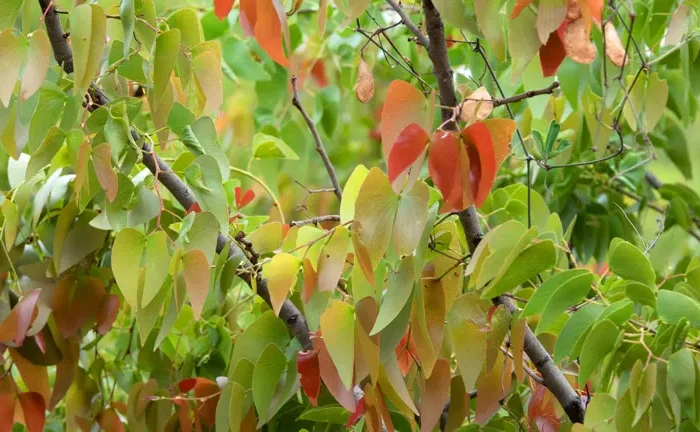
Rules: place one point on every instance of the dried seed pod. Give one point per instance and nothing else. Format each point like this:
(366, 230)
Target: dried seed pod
(613, 46)
(364, 89)
(577, 45)
(477, 106)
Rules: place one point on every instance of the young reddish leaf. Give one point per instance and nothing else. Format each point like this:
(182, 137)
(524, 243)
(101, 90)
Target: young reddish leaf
(194, 208)
(248, 16)
(7, 411)
(17, 322)
(405, 352)
(222, 8)
(196, 271)
(443, 162)
(552, 55)
(206, 409)
(434, 397)
(409, 145)
(613, 46)
(359, 412)
(107, 313)
(106, 176)
(268, 31)
(404, 105)
(75, 302)
(186, 385)
(519, 6)
(318, 73)
(490, 388)
(541, 410)
(34, 409)
(577, 45)
(109, 421)
(308, 368)
(501, 131)
(330, 377)
(65, 371)
(364, 89)
(243, 198)
(310, 280)
(40, 342)
(482, 161)
(183, 415)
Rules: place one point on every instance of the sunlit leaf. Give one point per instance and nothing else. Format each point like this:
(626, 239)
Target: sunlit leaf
(337, 323)
(38, 57)
(350, 192)
(13, 50)
(398, 292)
(88, 40)
(375, 210)
(403, 106)
(281, 274)
(126, 262)
(332, 259)
(409, 146)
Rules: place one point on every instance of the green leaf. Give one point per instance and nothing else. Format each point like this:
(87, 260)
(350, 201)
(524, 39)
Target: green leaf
(568, 294)
(337, 324)
(238, 57)
(38, 58)
(457, 14)
(350, 193)
(676, 146)
(398, 291)
(601, 341)
(641, 293)
(575, 330)
(267, 373)
(222, 407)
(656, 99)
(490, 21)
(375, 211)
(179, 118)
(187, 21)
(88, 36)
(133, 67)
(129, 245)
(532, 261)
(157, 264)
(209, 79)
(205, 132)
(269, 147)
(11, 215)
(628, 262)
(13, 49)
(600, 410)
(672, 306)
(537, 303)
(525, 46)
(197, 276)
(204, 178)
(167, 49)
(332, 414)
(48, 149)
(681, 382)
(127, 14)
(646, 391)
(8, 12)
(618, 312)
(48, 110)
(410, 220)
(81, 241)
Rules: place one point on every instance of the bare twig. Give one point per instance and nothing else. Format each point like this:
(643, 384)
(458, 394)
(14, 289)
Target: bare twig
(526, 95)
(317, 138)
(420, 37)
(316, 220)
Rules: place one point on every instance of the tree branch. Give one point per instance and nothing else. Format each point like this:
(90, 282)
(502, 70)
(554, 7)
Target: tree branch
(316, 220)
(526, 95)
(420, 37)
(317, 138)
(553, 378)
(292, 317)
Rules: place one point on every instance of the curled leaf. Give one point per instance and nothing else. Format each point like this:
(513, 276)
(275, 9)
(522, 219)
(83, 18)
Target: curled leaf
(613, 46)
(577, 45)
(477, 106)
(364, 89)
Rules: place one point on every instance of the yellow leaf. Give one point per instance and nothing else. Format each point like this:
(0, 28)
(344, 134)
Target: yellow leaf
(332, 259)
(281, 274)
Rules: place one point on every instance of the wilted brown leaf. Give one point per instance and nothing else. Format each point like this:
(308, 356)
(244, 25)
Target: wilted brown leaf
(577, 45)
(477, 106)
(613, 46)
(364, 89)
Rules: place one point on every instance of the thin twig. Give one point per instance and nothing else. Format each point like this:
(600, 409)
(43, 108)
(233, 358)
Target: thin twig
(420, 37)
(316, 220)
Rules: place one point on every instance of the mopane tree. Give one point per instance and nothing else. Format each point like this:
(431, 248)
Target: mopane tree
(451, 215)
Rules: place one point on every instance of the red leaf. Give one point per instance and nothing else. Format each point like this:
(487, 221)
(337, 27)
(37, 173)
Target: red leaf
(404, 105)
(482, 161)
(109, 421)
(308, 368)
(187, 384)
(222, 8)
(409, 145)
(541, 410)
(75, 302)
(243, 198)
(248, 16)
(17, 323)
(194, 208)
(443, 161)
(34, 409)
(552, 55)
(318, 73)
(183, 414)
(359, 412)
(7, 411)
(107, 313)
(206, 410)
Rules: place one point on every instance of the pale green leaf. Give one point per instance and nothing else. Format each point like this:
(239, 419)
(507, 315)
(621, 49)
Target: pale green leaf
(157, 265)
(375, 211)
(126, 263)
(127, 15)
(269, 147)
(13, 49)
(350, 192)
(38, 58)
(600, 342)
(398, 291)
(337, 327)
(267, 373)
(629, 262)
(532, 261)
(204, 178)
(672, 306)
(410, 220)
(167, 48)
(88, 38)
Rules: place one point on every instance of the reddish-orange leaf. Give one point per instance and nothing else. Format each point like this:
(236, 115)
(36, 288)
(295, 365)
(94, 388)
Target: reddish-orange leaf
(16, 324)
(359, 412)
(404, 105)
(196, 272)
(318, 73)
(443, 162)
(243, 198)
(596, 8)
(186, 385)
(75, 302)
(437, 390)
(7, 411)
(501, 131)
(308, 368)
(482, 161)
(183, 415)
(194, 208)
(405, 352)
(541, 410)
(330, 377)
(206, 410)
(409, 145)
(310, 280)
(268, 31)
(552, 55)
(106, 176)
(109, 421)
(107, 313)
(34, 409)
(519, 6)
(222, 8)
(65, 371)
(248, 16)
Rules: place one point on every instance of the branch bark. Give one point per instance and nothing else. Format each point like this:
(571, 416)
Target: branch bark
(420, 37)
(553, 378)
(289, 313)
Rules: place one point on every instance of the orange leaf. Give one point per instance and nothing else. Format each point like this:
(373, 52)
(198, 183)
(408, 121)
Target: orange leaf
(16, 324)
(222, 8)
(34, 408)
(482, 161)
(502, 131)
(443, 162)
(308, 368)
(310, 280)
(248, 16)
(541, 410)
(519, 6)
(107, 313)
(268, 31)
(318, 73)
(243, 198)
(404, 105)
(437, 390)
(196, 272)
(7, 411)
(331, 378)
(106, 176)
(109, 421)
(405, 351)
(409, 145)
(596, 8)
(206, 409)
(75, 302)
(359, 412)
(361, 254)
(552, 55)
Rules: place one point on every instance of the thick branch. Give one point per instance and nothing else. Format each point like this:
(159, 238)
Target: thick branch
(420, 37)
(553, 378)
(292, 317)
(317, 138)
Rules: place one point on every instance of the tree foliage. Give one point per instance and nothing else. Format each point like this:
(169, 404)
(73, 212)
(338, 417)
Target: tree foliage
(357, 214)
